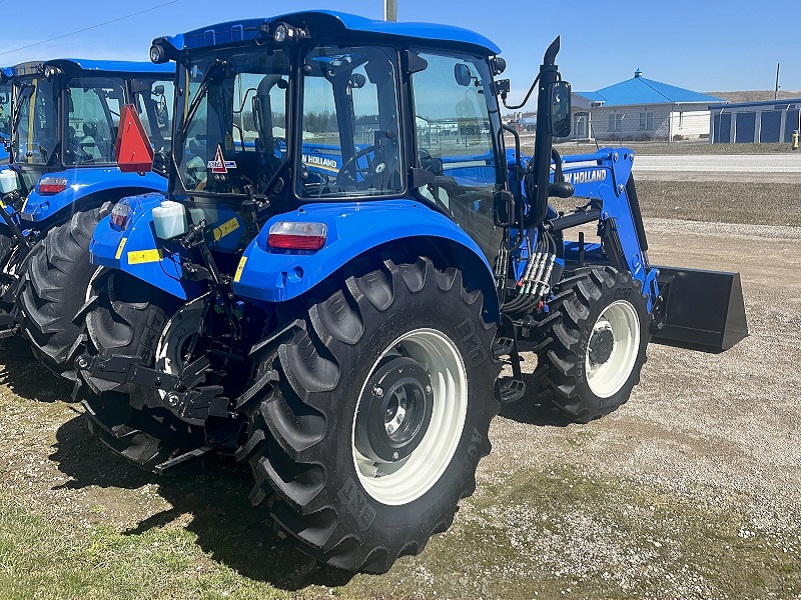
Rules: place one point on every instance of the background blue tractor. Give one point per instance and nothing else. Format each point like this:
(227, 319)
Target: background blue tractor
(347, 255)
(63, 129)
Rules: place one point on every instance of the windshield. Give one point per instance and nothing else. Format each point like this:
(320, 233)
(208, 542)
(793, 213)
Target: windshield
(350, 123)
(35, 127)
(233, 129)
(5, 109)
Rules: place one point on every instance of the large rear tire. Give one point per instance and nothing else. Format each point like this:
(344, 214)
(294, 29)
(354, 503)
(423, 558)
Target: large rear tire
(53, 290)
(129, 319)
(368, 419)
(599, 326)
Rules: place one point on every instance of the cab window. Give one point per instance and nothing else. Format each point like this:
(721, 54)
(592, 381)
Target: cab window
(349, 122)
(454, 109)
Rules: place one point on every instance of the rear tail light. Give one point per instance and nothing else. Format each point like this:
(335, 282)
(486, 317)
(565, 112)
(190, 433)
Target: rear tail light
(295, 235)
(121, 214)
(52, 185)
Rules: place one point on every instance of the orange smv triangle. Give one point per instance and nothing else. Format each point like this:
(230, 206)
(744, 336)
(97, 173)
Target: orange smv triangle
(133, 151)
(219, 162)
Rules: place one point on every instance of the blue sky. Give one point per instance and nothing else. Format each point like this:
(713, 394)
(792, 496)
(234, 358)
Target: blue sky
(703, 46)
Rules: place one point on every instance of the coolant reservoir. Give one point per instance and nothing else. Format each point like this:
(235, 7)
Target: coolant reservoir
(170, 219)
(8, 181)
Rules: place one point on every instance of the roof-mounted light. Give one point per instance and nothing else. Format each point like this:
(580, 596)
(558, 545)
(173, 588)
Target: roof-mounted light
(296, 235)
(158, 55)
(284, 32)
(51, 71)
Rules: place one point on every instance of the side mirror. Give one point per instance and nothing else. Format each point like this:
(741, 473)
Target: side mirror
(559, 121)
(461, 73)
(132, 150)
(158, 90)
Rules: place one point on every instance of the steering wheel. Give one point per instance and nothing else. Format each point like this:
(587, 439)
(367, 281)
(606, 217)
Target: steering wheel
(350, 169)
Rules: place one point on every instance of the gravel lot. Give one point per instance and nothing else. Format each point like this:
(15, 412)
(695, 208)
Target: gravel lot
(691, 490)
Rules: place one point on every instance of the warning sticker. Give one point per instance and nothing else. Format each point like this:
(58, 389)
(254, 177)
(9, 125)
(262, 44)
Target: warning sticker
(119, 248)
(240, 268)
(144, 256)
(226, 228)
(219, 164)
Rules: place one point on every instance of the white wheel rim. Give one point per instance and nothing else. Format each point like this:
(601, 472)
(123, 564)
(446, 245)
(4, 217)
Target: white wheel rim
(606, 379)
(178, 329)
(396, 483)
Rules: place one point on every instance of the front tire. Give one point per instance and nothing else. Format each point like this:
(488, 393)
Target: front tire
(54, 286)
(369, 417)
(599, 327)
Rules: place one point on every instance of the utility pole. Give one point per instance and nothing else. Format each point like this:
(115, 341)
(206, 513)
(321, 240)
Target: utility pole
(776, 93)
(390, 10)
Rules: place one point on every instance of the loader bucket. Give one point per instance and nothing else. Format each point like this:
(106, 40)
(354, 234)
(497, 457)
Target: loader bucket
(701, 310)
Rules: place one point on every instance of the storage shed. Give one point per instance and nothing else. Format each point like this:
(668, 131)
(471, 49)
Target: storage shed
(764, 122)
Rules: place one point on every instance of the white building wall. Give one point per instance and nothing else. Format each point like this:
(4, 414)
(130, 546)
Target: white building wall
(690, 122)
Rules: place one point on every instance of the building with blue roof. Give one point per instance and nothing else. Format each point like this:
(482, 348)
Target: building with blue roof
(641, 109)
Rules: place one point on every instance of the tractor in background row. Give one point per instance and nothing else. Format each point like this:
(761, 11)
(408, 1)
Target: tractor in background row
(62, 179)
(346, 257)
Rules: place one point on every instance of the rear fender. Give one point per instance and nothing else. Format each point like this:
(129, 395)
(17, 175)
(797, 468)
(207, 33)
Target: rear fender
(137, 250)
(267, 275)
(84, 182)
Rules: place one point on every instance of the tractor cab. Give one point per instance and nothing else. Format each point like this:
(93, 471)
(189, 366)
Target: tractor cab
(322, 107)
(64, 125)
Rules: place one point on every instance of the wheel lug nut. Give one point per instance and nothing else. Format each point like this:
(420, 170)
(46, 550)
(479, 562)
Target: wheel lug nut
(395, 456)
(378, 392)
(428, 389)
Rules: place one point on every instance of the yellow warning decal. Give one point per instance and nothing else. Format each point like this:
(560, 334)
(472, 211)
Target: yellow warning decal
(120, 247)
(144, 256)
(226, 228)
(240, 268)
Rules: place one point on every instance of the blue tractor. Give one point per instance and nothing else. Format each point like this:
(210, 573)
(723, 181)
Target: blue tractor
(64, 179)
(347, 256)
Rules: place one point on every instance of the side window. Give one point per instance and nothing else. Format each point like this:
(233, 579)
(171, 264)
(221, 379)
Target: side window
(5, 109)
(154, 103)
(92, 119)
(350, 125)
(259, 112)
(452, 103)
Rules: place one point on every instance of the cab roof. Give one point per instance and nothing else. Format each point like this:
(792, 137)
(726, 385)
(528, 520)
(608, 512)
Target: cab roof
(326, 24)
(77, 66)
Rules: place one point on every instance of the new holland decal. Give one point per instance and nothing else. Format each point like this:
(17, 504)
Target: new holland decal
(576, 177)
(327, 164)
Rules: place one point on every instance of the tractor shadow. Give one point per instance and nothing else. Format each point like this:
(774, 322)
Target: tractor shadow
(527, 411)
(214, 492)
(26, 377)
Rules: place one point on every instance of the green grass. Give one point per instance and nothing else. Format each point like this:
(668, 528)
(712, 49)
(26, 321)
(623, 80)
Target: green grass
(42, 558)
